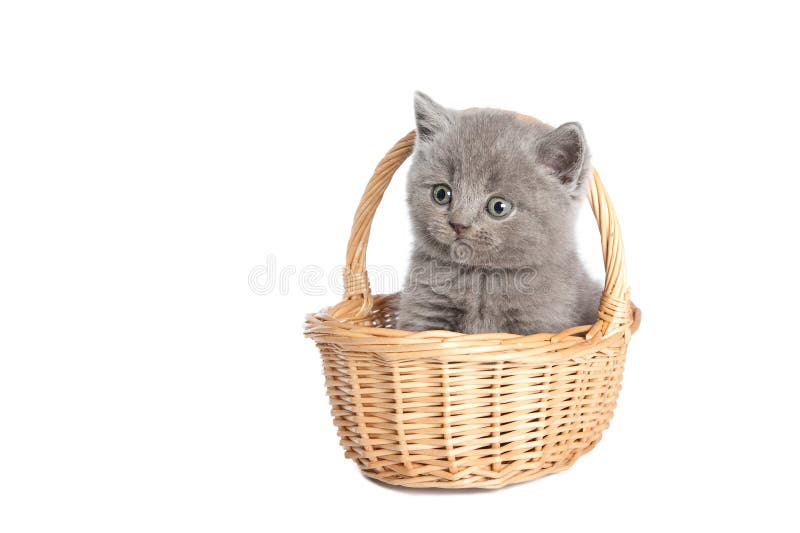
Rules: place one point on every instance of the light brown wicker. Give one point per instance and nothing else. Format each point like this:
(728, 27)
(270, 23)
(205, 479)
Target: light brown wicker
(445, 409)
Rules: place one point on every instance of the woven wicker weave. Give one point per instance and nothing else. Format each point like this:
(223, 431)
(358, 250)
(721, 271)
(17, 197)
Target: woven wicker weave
(445, 409)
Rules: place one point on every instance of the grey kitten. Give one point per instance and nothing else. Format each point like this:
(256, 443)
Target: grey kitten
(493, 200)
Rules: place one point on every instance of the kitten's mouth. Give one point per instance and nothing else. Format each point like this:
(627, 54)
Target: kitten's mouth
(461, 251)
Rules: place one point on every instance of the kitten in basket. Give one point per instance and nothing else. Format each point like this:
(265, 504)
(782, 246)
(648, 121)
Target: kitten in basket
(494, 199)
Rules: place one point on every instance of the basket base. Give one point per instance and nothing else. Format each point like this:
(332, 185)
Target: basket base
(496, 480)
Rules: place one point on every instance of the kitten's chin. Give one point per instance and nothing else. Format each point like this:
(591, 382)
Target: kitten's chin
(462, 252)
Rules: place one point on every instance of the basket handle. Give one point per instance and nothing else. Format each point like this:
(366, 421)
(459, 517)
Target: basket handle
(615, 308)
(356, 282)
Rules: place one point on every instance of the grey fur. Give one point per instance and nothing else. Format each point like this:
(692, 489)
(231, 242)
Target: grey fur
(520, 273)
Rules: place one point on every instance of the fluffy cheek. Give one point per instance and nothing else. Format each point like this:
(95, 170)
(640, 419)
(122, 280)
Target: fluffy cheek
(487, 239)
(503, 243)
(524, 241)
(429, 219)
(438, 229)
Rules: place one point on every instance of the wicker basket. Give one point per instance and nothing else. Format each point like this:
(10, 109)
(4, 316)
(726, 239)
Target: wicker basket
(445, 409)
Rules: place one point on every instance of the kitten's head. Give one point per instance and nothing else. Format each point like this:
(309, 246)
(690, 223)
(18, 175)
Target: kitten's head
(489, 188)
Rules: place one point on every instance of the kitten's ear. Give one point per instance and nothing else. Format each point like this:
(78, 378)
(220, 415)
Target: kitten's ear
(431, 117)
(564, 153)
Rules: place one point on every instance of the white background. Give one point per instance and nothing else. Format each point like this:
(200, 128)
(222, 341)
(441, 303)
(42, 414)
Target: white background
(153, 154)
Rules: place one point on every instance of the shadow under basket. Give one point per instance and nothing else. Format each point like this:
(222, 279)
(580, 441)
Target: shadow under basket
(446, 409)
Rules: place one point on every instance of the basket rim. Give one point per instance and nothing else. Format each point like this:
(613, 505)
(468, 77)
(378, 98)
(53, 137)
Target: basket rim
(395, 345)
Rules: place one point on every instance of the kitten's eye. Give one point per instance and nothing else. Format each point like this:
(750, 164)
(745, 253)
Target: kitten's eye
(442, 194)
(498, 207)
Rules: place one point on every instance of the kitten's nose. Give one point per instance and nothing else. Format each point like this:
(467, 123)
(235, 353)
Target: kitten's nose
(459, 228)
